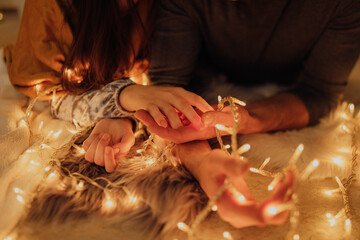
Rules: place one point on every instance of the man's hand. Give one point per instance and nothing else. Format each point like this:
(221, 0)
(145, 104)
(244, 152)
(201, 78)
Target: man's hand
(162, 103)
(110, 139)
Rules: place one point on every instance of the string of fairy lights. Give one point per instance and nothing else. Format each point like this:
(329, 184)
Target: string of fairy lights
(55, 171)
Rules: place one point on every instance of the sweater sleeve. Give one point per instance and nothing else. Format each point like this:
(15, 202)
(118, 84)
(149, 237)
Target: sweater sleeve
(324, 77)
(92, 106)
(43, 41)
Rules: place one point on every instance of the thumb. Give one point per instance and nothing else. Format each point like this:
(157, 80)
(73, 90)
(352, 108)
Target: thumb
(127, 141)
(214, 117)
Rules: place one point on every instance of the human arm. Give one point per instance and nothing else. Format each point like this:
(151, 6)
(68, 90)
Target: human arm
(280, 112)
(109, 140)
(43, 41)
(211, 167)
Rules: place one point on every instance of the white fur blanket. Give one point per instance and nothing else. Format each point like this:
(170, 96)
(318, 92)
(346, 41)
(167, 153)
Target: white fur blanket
(150, 193)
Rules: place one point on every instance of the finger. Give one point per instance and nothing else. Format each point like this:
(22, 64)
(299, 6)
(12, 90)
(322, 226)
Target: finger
(282, 188)
(183, 106)
(125, 144)
(214, 117)
(171, 114)
(89, 140)
(195, 100)
(100, 149)
(109, 159)
(157, 116)
(145, 118)
(90, 153)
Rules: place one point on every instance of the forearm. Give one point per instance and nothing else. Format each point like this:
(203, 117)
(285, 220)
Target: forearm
(191, 155)
(280, 112)
(92, 106)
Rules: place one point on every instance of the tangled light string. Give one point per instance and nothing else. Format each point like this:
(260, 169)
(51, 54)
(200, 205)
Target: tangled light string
(294, 206)
(80, 179)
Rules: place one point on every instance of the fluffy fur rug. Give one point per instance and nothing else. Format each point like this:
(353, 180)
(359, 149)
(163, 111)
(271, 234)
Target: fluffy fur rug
(44, 195)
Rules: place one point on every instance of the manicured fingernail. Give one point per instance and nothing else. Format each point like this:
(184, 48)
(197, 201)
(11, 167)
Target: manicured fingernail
(163, 123)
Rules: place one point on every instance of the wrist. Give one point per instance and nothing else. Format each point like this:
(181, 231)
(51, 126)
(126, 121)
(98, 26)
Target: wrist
(125, 96)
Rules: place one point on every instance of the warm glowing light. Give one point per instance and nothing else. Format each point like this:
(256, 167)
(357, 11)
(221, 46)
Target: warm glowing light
(20, 198)
(309, 169)
(227, 235)
(332, 222)
(149, 162)
(254, 170)
(244, 148)
(183, 227)
(315, 163)
(7, 238)
(338, 161)
(43, 146)
(345, 128)
(227, 146)
(223, 128)
(267, 160)
(132, 199)
(37, 88)
(81, 150)
(351, 107)
(296, 237)
(272, 210)
(270, 188)
(51, 175)
(329, 215)
(47, 169)
(41, 125)
(17, 190)
(296, 155)
(57, 134)
(241, 198)
(22, 123)
(139, 150)
(34, 163)
(214, 208)
(219, 98)
(72, 131)
(347, 222)
(80, 185)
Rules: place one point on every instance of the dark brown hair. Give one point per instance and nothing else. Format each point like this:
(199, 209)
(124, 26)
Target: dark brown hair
(102, 49)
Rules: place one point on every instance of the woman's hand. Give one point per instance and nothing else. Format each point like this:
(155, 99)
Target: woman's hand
(164, 103)
(109, 140)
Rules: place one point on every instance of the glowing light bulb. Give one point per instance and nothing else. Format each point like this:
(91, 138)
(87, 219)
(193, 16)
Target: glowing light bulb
(329, 215)
(347, 222)
(149, 162)
(183, 227)
(296, 155)
(214, 208)
(332, 222)
(47, 169)
(272, 210)
(81, 151)
(309, 169)
(351, 108)
(296, 237)
(241, 198)
(43, 146)
(244, 148)
(132, 199)
(34, 163)
(41, 125)
(57, 134)
(227, 235)
(219, 98)
(20, 198)
(7, 238)
(72, 131)
(227, 146)
(80, 185)
(22, 123)
(139, 150)
(345, 128)
(17, 190)
(338, 161)
(315, 163)
(270, 188)
(267, 160)
(37, 87)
